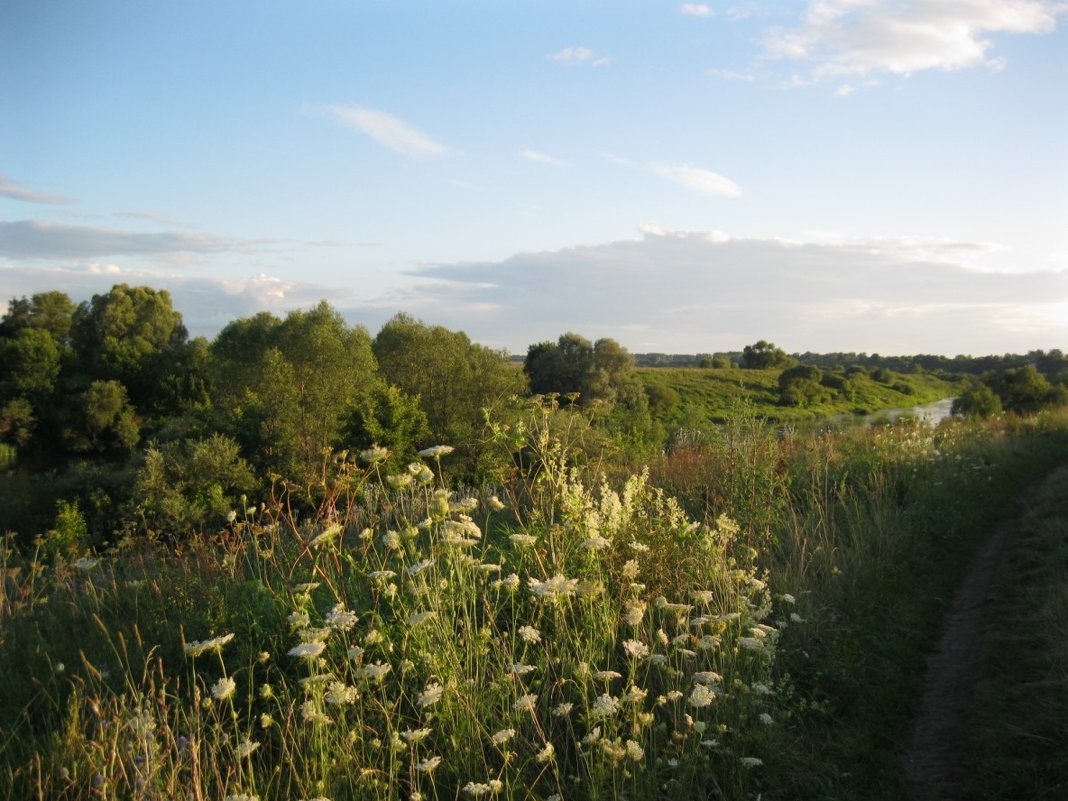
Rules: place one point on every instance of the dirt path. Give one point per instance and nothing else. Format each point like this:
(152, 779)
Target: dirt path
(934, 761)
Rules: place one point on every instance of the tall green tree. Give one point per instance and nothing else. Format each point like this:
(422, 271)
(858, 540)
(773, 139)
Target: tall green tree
(454, 378)
(282, 387)
(764, 355)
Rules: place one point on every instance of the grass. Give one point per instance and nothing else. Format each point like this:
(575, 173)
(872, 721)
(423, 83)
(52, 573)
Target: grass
(758, 636)
(721, 395)
(1018, 746)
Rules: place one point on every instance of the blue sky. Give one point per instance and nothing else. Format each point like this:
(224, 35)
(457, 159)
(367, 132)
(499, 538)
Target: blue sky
(842, 175)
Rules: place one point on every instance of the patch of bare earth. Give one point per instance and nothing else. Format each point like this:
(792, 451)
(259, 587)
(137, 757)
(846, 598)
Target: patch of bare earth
(934, 762)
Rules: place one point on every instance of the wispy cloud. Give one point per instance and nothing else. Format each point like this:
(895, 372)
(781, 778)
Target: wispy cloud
(542, 158)
(15, 191)
(39, 239)
(574, 56)
(696, 10)
(858, 37)
(730, 75)
(698, 179)
(388, 130)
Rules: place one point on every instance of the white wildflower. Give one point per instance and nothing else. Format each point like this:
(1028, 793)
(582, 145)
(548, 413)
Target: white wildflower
(635, 648)
(431, 695)
(529, 634)
(341, 618)
(604, 706)
(223, 688)
(525, 703)
(701, 696)
(436, 451)
(502, 736)
(427, 765)
(246, 747)
(308, 650)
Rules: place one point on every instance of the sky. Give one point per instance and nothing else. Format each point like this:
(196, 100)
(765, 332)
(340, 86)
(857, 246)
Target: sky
(843, 175)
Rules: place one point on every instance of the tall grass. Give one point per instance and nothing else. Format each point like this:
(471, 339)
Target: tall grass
(558, 635)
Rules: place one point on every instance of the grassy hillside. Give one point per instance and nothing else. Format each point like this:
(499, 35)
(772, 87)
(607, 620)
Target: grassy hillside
(689, 397)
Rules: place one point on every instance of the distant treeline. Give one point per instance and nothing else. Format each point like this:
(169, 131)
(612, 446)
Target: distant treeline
(1052, 363)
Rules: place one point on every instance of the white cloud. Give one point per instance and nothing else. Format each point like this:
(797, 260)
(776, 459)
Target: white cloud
(845, 90)
(691, 291)
(542, 158)
(388, 130)
(730, 75)
(696, 10)
(574, 56)
(697, 179)
(10, 189)
(858, 37)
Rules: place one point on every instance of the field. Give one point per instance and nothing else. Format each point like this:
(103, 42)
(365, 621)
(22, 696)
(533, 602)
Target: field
(746, 618)
(698, 396)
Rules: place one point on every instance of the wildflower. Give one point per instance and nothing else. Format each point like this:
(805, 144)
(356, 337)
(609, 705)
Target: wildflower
(503, 736)
(198, 648)
(596, 543)
(750, 643)
(633, 613)
(519, 669)
(427, 765)
(631, 569)
(635, 694)
(788, 598)
(495, 504)
(326, 536)
(529, 634)
(523, 539)
(355, 653)
(299, 620)
(701, 696)
(509, 582)
(554, 588)
(311, 714)
(634, 751)
(464, 505)
(607, 675)
(563, 710)
(638, 547)
(703, 597)
(308, 650)
(546, 754)
(436, 451)
(766, 719)
(796, 618)
(477, 789)
(604, 706)
(751, 762)
(376, 671)
(374, 454)
(381, 575)
(86, 564)
(707, 677)
(246, 747)
(419, 567)
(314, 634)
(412, 736)
(340, 693)
(420, 617)
(266, 721)
(242, 797)
(461, 532)
(266, 691)
(431, 695)
(525, 703)
(341, 618)
(316, 679)
(223, 688)
(399, 481)
(635, 649)
(391, 540)
(592, 736)
(657, 659)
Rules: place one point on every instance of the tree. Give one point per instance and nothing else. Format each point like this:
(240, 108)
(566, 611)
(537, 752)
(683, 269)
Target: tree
(389, 417)
(282, 387)
(453, 378)
(763, 355)
(977, 401)
(597, 372)
(128, 335)
(800, 385)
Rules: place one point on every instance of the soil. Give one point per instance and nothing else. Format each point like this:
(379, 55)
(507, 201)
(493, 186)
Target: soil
(935, 761)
